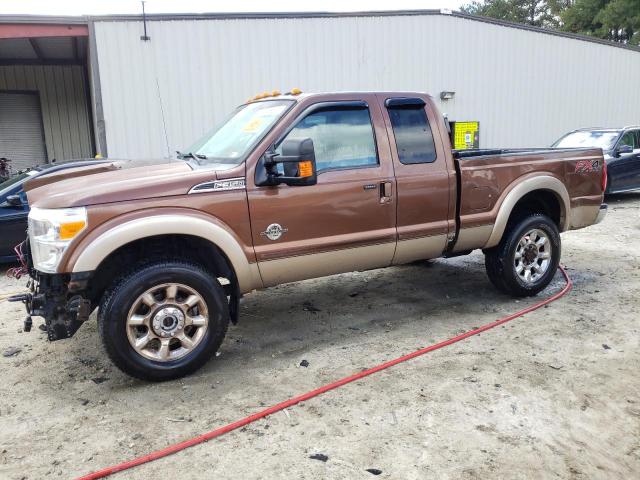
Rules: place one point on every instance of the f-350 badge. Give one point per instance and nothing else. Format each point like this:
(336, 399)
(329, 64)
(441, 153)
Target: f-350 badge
(274, 231)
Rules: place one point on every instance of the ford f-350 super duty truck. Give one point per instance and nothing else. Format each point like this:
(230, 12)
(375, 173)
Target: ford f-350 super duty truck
(289, 187)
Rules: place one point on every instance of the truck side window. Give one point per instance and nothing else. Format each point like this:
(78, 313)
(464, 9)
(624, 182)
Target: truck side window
(414, 139)
(342, 137)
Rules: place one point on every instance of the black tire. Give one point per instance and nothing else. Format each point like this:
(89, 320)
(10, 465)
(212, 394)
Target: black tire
(499, 261)
(120, 297)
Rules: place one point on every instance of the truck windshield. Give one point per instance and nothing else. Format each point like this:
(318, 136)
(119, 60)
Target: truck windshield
(233, 140)
(603, 139)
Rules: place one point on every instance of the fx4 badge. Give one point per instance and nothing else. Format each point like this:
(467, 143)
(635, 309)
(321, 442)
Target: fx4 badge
(274, 231)
(585, 166)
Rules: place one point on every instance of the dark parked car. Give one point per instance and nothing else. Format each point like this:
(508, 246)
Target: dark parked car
(13, 215)
(621, 148)
(14, 208)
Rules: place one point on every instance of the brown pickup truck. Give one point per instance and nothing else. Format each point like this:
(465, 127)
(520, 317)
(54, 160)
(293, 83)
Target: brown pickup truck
(289, 187)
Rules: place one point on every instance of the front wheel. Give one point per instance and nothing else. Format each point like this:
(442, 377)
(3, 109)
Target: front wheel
(163, 320)
(527, 257)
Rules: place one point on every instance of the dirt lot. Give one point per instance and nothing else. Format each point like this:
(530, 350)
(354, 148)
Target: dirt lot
(555, 394)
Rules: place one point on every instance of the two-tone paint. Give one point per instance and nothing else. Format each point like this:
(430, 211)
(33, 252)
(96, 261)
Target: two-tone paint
(352, 219)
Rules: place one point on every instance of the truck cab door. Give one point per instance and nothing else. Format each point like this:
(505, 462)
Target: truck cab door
(425, 178)
(345, 222)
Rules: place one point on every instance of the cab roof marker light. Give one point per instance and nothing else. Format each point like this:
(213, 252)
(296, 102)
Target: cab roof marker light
(274, 93)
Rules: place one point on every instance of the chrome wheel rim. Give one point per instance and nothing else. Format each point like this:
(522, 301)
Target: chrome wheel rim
(167, 322)
(532, 256)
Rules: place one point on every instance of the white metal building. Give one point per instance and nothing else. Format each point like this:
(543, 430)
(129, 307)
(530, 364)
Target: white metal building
(525, 85)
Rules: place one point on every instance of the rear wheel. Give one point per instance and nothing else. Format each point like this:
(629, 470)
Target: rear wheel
(163, 320)
(527, 257)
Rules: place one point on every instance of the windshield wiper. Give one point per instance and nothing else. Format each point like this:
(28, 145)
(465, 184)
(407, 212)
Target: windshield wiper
(195, 156)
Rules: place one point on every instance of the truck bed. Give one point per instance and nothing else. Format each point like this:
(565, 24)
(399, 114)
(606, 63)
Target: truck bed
(487, 176)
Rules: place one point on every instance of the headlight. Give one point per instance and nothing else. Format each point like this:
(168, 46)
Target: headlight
(51, 232)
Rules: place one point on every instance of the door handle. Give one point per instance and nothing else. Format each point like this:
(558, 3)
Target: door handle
(386, 192)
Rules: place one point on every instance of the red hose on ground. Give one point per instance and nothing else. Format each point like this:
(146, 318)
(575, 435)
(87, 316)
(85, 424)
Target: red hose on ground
(319, 391)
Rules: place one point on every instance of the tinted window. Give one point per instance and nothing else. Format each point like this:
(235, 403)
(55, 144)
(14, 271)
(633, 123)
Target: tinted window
(8, 187)
(414, 139)
(342, 138)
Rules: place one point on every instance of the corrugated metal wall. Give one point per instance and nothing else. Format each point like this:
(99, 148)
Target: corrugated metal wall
(21, 132)
(526, 88)
(63, 100)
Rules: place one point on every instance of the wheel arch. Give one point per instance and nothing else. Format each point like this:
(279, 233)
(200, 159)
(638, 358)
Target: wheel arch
(539, 194)
(211, 233)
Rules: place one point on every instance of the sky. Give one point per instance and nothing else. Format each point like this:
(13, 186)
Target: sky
(102, 7)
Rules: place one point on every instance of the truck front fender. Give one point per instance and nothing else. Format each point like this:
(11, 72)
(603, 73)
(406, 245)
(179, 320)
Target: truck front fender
(523, 187)
(92, 251)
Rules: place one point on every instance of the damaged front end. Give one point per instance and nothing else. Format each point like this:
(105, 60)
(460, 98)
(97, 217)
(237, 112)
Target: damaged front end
(58, 298)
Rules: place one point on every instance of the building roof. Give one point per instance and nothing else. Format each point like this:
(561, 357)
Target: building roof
(42, 42)
(45, 19)
(43, 51)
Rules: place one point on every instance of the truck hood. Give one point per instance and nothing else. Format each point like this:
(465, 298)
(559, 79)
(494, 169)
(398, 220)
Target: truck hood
(117, 181)
(46, 178)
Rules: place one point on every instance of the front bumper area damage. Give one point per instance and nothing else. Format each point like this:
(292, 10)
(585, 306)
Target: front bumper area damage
(58, 298)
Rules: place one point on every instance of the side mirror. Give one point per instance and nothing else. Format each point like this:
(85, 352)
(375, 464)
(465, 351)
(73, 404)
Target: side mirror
(298, 160)
(14, 201)
(622, 149)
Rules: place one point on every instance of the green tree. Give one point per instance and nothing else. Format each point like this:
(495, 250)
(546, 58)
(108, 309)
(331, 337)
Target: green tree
(615, 20)
(539, 13)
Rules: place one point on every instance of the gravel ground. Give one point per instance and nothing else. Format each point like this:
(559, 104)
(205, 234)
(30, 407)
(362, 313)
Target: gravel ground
(554, 394)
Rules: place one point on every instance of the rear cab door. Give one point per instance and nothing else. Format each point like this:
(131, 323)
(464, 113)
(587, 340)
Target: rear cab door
(347, 221)
(425, 176)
